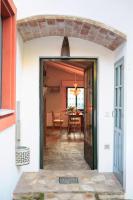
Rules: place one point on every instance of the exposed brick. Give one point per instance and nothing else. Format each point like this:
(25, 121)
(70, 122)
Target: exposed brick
(69, 23)
(60, 20)
(103, 31)
(51, 21)
(85, 29)
(41, 26)
(78, 23)
(32, 23)
(41, 20)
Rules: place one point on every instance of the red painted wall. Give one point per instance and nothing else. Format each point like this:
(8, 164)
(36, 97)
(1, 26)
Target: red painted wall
(8, 13)
(64, 79)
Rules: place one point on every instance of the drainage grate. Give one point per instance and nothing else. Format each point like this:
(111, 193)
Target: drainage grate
(68, 180)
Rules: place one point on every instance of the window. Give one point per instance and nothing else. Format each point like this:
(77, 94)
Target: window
(7, 63)
(76, 101)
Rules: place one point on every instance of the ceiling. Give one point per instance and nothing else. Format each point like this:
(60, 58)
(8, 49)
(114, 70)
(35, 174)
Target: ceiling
(54, 25)
(76, 67)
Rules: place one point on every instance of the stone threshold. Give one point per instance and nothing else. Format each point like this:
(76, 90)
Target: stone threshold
(91, 186)
(66, 196)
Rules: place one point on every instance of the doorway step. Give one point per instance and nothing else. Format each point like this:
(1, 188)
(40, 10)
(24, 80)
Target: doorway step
(61, 185)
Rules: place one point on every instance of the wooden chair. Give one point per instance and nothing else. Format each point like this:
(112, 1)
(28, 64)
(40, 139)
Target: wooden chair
(74, 123)
(56, 120)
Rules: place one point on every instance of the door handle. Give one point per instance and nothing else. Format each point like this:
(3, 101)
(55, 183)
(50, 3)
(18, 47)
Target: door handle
(113, 113)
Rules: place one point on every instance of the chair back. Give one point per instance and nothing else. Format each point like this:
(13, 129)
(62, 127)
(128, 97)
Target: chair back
(56, 115)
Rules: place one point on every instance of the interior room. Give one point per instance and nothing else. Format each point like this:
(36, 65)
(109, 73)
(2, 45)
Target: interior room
(65, 100)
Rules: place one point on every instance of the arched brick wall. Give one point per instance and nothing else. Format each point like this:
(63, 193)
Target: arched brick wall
(54, 25)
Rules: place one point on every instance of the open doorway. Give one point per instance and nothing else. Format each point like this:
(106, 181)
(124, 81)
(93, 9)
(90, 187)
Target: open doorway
(68, 113)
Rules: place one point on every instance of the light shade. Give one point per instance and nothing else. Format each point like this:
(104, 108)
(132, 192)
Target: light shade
(75, 91)
(65, 50)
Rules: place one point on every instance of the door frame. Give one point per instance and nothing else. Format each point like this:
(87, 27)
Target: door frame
(41, 107)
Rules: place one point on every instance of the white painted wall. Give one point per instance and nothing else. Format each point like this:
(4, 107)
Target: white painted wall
(117, 14)
(50, 46)
(9, 173)
(113, 13)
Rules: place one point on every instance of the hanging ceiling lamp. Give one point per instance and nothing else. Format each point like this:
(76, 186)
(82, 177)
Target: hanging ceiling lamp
(75, 91)
(65, 50)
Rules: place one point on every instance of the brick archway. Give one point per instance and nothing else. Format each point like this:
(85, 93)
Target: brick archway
(55, 25)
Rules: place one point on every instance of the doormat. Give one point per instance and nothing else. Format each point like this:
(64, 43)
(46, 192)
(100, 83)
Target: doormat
(68, 180)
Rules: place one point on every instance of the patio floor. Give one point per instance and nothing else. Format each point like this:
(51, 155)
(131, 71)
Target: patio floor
(64, 158)
(45, 185)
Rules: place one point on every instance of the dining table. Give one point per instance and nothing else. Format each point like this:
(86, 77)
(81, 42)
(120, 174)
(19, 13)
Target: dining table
(77, 115)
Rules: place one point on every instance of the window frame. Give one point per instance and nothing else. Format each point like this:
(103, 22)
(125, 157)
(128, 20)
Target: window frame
(0, 60)
(8, 13)
(75, 97)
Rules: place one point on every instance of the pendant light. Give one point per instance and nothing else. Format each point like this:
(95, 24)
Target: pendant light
(65, 51)
(75, 91)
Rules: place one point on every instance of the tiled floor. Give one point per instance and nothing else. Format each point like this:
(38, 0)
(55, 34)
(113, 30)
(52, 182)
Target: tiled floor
(64, 158)
(63, 151)
(91, 186)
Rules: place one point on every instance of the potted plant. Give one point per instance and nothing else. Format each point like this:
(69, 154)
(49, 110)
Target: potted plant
(71, 109)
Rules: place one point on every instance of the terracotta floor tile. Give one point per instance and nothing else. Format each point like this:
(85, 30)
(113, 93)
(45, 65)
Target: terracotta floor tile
(64, 152)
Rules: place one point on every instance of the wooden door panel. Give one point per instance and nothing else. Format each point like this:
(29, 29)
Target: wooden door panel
(89, 118)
